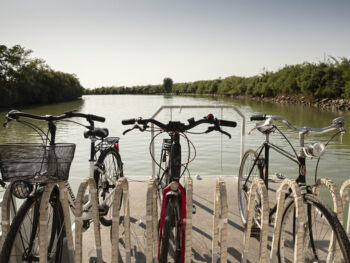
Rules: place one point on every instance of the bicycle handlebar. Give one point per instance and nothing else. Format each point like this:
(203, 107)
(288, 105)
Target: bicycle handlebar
(227, 123)
(128, 122)
(337, 123)
(14, 115)
(258, 117)
(179, 126)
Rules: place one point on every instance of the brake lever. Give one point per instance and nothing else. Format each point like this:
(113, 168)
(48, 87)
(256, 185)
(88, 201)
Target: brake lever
(341, 136)
(252, 130)
(128, 130)
(215, 128)
(136, 126)
(226, 133)
(6, 123)
(210, 129)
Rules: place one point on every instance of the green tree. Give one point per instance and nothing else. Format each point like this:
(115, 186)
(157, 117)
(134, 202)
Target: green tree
(26, 80)
(167, 85)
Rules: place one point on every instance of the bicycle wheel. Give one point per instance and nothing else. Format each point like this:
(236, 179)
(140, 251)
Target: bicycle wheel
(321, 228)
(22, 242)
(111, 164)
(245, 181)
(170, 246)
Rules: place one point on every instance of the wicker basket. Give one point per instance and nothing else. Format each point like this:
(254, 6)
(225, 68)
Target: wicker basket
(36, 163)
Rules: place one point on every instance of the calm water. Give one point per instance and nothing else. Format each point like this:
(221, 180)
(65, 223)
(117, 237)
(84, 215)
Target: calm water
(216, 154)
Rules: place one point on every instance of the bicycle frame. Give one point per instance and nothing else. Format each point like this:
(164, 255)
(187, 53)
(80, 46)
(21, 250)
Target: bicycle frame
(179, 195)
(87, 213)
(174, 166)
(264, 167)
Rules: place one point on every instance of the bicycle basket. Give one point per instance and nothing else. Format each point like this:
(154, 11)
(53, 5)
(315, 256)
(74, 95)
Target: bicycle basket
(36, 163)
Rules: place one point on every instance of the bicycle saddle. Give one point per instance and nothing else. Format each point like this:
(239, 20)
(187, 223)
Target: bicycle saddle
(97, 132)
(263, 127)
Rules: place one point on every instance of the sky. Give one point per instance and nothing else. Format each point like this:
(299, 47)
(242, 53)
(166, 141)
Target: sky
(128, 43)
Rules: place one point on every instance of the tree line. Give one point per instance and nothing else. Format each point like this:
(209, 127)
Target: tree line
(330, 78)
(25, 80)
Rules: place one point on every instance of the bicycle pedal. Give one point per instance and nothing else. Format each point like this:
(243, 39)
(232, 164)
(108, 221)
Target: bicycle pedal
(86, 225)
(103, 210)
(255, 231)
(194, 210)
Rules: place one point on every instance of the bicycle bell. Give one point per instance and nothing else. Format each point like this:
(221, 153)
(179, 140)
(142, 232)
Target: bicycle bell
(315, 149)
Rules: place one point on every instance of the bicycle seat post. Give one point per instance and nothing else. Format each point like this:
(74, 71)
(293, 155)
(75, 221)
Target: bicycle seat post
(301, 143)
(52, 129)
(302, 159)
(92, 156)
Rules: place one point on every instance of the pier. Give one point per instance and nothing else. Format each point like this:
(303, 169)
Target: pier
(202, 225)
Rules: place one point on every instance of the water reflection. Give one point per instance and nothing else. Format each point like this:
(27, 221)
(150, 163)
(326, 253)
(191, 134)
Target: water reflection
(16, 132)
(216, 154)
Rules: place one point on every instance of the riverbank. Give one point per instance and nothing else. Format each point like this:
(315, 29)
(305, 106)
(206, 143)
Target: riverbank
(323, 103)
(290, 84)
(29, 81)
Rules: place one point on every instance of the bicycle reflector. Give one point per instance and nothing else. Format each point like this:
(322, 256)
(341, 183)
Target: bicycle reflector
(21, 189)
(174, 186)
(315, 149)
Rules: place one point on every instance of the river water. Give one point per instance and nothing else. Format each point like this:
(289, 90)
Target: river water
(216, 154)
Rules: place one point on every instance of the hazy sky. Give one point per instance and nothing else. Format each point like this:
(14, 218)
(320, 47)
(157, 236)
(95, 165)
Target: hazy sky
(110, 42)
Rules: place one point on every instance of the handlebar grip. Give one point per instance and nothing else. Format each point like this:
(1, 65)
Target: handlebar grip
(258, 117)
(12, 114)
(128, 122)
(97, 118)
(227, 123)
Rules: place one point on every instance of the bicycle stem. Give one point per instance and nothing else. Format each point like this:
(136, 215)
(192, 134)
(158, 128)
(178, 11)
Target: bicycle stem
(175, 161)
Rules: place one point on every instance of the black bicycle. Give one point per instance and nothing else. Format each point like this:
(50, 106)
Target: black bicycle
(173, 212)
(322, 228)
(31, 166)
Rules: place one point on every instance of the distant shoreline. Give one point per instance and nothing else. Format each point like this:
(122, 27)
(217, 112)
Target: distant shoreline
(323, 85)
(323, 103)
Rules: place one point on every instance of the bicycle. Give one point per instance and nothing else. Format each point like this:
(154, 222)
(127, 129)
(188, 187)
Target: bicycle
(173, 207)
(32, 166)
(320, 217)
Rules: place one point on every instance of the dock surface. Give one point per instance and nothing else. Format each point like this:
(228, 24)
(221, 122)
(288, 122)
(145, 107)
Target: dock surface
(202, 224)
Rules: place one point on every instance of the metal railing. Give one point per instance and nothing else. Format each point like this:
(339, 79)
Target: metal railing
(344, 193)
(286, 185)
(121, 198)
(258, 186)
(220, 222)
(334, 253)
(171, 107)
(151, 221)
(6, 209)
(88, 181)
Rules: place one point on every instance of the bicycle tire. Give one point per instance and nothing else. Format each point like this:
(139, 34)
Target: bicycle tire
(170, 227)
(244, 191)
(314, 247)
(111, 163)
(22, 241)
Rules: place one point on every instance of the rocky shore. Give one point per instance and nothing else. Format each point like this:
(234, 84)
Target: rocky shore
(324, 103)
